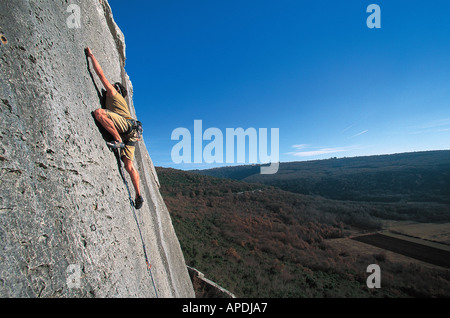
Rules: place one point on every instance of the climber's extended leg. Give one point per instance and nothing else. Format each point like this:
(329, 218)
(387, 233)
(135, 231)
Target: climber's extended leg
(134, 175)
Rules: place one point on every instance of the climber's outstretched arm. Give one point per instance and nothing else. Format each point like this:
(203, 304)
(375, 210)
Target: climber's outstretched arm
(111, 91)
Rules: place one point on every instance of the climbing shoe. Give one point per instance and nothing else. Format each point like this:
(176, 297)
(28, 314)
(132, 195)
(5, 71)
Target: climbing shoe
(115, 144)
(138, 202)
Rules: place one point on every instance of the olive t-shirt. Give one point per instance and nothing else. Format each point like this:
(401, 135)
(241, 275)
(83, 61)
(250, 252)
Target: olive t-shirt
(118, 105)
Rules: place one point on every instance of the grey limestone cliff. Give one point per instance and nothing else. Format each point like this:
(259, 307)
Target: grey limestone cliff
(66, 225)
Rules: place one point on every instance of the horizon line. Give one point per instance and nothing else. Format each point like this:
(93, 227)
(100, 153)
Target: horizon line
(310, 160)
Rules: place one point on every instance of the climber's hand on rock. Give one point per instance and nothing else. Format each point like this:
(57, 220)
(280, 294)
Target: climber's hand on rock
(88, 52)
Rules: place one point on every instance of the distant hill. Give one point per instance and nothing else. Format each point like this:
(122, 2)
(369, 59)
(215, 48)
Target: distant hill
(405, 177)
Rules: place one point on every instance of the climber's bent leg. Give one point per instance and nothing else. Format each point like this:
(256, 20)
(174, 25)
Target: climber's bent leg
(102, 117)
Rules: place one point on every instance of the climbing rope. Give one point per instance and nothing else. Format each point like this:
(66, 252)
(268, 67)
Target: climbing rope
(149, 266)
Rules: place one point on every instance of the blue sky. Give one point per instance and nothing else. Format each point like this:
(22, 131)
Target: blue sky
(313, 69)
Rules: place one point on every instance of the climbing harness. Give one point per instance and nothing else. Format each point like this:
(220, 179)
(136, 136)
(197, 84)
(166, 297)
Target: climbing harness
(135, 130)
(135, 125)
(149, 266)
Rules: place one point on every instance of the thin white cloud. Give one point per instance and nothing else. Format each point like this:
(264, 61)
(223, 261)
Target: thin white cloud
(435, 123)
(301, 146)
(361, 133)
(321, 151)
(349, 127)
(432, 127)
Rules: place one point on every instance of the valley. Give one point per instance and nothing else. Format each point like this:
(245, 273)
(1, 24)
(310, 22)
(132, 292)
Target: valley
(259, 240)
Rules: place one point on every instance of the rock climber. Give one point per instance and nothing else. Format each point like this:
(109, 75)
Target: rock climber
(117, 120)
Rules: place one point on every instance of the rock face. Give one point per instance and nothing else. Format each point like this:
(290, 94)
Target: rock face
(66, 225)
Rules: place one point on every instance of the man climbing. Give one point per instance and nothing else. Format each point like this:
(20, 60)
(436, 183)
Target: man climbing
(117, 120)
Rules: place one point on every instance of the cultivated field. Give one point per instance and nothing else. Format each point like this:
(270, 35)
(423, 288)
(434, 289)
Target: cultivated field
(407, 241)
(408, 248)
(428, 232)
